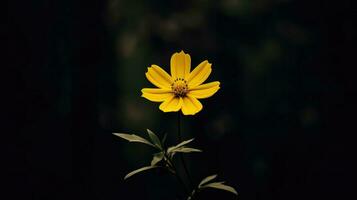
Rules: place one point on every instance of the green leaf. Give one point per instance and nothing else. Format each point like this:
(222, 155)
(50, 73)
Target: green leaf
(183, 150)
(139, 170)
(133, 138)
(157, 158)
(154, 139)
(220, 186)
(170, 149)
(184, 143)
(187, 150)
(207, 179)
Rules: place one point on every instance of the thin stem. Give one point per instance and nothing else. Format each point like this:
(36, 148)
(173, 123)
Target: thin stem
(176, 174)
(180, 140)
(193, 194)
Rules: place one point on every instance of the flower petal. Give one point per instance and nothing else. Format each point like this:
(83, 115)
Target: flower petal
(156, 94)
(199, 74)
(172, 104)
(206, 85)
(180, 65)
(205, 90)
(158, 77)
(191, 105)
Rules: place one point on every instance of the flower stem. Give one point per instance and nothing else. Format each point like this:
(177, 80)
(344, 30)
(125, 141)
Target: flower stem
(175, 173)
(181, 156)
(192, 195)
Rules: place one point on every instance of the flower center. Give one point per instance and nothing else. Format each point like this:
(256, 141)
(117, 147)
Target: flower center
(179, 87)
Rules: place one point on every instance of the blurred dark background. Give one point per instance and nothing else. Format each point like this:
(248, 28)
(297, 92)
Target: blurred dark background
(277, 129)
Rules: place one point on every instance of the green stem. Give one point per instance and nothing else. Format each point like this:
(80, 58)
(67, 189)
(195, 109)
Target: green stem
(181, 156)
(176, 174)
(192, 195)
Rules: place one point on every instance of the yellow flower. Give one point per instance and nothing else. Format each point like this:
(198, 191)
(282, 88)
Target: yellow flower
(182, 89)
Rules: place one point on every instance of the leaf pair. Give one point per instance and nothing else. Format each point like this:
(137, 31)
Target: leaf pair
(169, 153)
(205, 183)
(181, 148)
(156, 143)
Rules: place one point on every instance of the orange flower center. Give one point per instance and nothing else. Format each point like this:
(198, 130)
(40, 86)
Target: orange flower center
(179, 87)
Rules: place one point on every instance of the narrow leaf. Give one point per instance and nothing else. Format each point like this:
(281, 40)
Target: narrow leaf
(220, 186)
(139, 170)
(184, 143)
(154, 139)
(207, 179)
(170, 149)
(183, 150)
(157, 158)
(187, 150)
(133, 138)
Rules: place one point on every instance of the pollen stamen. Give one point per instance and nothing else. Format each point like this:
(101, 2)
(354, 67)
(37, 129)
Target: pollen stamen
(179, 87)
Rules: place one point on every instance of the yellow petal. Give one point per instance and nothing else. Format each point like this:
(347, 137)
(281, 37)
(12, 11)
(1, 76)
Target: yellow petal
(180, 65)
(156, 94)
(158, 77)
(191, 105)
(199, 74)
(205, 90)
(206, 86)
(171, 104)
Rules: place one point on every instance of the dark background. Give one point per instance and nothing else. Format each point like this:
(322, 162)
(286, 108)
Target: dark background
(277, 129)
